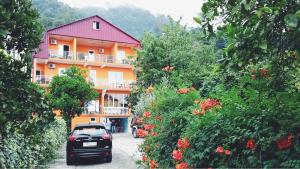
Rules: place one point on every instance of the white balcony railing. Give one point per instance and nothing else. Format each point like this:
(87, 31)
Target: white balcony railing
(42, 79)
(86, 111)
(113, 84)
(115, 110)
(87, 57)
(60, 55)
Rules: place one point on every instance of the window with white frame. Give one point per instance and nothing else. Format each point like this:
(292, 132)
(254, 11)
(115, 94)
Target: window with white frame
(96, 25)
(115, 76)
(61, 71)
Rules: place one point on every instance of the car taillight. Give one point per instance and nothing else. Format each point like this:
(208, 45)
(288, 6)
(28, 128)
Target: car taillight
(72, 138)
(106, 136)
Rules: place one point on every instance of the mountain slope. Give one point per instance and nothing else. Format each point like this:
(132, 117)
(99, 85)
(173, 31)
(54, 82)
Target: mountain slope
(132, 20)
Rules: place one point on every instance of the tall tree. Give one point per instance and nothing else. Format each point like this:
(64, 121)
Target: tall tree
(69, 92)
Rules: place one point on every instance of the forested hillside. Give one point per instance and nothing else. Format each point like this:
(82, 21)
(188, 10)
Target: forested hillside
(134, 21)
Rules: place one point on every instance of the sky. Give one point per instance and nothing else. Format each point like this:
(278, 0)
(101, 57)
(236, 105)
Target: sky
(187, 9)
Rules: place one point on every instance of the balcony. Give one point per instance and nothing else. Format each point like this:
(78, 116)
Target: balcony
(104, 83)
(87, 57)
(111, 111)
(42, 79)
(115, 111)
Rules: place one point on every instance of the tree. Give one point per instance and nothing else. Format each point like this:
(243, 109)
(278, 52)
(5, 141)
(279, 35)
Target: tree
(20, 34)
(69, 92)
(261, 33)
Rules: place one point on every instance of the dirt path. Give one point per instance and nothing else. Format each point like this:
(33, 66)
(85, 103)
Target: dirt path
(125, 153)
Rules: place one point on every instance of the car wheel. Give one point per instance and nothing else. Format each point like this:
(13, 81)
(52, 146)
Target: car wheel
(109, 158)
(69, 161)
(134, 133)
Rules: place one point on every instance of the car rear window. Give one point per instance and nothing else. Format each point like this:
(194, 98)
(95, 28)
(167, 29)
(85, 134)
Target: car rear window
(89, 131)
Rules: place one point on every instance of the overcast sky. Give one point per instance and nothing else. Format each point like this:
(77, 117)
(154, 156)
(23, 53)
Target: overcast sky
(187, 9)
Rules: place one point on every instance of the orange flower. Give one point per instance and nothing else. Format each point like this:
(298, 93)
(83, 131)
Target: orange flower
(177, 155)
(168, 68)
(144, 158)
(147, 114)
(227, 152)
(153, 164)
(149, 127)
(183, 91)
(250, 144)
(208, 104)
(220, 150)
(182, 165)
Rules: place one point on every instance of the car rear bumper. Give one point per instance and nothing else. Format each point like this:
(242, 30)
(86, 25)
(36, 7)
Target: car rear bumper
(88, 153)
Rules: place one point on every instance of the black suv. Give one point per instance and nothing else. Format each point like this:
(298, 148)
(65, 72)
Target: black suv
(89, 141)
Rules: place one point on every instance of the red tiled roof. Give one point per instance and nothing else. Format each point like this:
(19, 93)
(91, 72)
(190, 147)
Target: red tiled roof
(84, 29)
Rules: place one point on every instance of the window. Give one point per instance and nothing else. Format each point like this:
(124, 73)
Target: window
(116, 100)
(96, 25)
(115, 76)
(93, 120)
(61, 71)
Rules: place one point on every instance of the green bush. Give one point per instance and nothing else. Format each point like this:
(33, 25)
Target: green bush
(28, 150)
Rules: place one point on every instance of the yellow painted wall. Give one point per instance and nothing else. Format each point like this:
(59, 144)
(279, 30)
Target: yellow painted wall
(84, 120)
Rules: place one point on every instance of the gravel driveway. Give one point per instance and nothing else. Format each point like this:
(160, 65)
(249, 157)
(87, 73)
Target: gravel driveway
(125, 153)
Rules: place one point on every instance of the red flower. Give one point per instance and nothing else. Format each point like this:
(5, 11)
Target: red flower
(177, 155)
(220, 150)
(182, 165)
(144, 158)
(154, 134)
(253, 77)
(153, 164)
(147, 114)
(209, 168)
(264, 72)
(158, 118)
(183, 91)
(196, 112)
(149, 127)
(227, 152)
(285, 143)
(141, 133)
(250, 144)
(183, 143)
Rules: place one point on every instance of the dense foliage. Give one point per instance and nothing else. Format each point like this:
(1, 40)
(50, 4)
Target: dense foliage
(132, 20)
(69, 92)
(247, 113)
(28, 133)
(21, 149)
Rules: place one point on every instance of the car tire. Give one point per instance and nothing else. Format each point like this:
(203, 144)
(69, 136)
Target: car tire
(109, 158)
(69, 161)
(134, 133)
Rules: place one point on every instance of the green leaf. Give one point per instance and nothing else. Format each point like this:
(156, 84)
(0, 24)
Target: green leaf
(197, 19)
(266, 10)
(291, 20)
(263, 45)
(298, 14)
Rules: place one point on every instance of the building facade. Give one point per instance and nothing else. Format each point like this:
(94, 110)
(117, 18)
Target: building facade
(105, 51)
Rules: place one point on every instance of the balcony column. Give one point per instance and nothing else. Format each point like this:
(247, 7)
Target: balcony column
(115, 50)
(74, 56)
(102, 100)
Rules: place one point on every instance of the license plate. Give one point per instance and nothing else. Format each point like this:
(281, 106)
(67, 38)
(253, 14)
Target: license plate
(89, 144)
